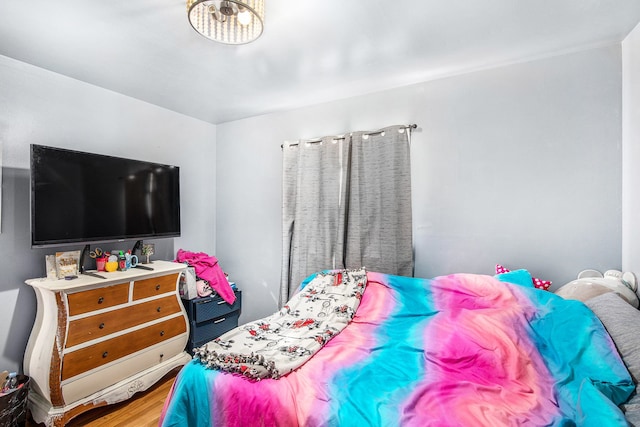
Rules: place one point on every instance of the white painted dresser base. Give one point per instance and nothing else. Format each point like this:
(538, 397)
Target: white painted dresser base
(43, 412)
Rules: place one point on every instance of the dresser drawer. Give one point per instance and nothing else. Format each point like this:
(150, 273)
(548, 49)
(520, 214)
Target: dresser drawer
(100, 325)
(155, 286)
(211, 308)
(79, 361)
(97, 299)
(214, 328)
(129, 366)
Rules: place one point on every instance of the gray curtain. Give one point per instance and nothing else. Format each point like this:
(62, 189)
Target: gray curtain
(313, 209)
(379, 228)
(346, 204)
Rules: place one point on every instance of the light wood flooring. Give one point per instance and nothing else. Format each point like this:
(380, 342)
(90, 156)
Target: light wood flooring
(144, 407)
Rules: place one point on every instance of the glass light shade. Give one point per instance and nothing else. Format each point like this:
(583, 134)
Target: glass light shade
(244, 17)
(244, 25)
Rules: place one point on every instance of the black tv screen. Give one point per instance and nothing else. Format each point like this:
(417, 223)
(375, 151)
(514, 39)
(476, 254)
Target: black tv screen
(79, 197)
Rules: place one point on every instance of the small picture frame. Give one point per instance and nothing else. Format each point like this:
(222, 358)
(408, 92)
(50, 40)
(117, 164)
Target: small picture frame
(50, 266)
(67, 263)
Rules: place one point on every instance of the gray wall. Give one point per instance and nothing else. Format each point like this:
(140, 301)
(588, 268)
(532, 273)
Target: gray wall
(37, 106)
(518, 165)
(631, 152)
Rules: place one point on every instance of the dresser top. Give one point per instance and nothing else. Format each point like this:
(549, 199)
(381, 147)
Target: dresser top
(160, 268)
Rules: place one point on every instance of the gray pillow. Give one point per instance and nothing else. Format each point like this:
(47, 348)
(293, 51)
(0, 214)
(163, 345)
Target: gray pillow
(622, 322)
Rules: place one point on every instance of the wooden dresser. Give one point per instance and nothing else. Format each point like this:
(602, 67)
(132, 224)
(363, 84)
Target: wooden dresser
(98, 341)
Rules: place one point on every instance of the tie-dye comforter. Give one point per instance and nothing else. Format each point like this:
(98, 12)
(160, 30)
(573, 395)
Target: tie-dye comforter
(458, 350)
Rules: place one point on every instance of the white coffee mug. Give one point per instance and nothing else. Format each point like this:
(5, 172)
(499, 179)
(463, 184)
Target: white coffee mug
(132, 260)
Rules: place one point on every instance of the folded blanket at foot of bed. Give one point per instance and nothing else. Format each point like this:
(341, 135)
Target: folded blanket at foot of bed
(278, 344)
(459, 350)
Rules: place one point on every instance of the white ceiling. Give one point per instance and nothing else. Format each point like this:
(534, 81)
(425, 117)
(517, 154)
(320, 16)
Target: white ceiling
(311, 51)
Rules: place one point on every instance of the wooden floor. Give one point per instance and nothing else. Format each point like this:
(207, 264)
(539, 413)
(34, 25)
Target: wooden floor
(144, 408)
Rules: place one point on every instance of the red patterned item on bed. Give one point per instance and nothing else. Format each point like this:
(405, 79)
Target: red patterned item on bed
(458, 350)
(537, 283)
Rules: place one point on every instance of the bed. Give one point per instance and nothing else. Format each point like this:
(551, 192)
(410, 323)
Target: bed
(457, 350)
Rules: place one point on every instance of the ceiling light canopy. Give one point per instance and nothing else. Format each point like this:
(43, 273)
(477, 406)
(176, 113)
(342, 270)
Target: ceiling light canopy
(230, 22)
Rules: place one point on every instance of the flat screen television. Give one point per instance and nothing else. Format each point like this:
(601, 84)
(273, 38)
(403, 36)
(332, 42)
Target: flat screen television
(79, 197)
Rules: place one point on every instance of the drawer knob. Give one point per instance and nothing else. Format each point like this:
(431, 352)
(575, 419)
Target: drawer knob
(105, 354)
(101, 326)
(159, 309)
(100, 300)
(161, 355)
(157, 287)
(161, 333)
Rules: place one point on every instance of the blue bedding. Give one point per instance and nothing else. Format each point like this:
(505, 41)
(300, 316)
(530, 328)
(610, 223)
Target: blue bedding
(458, 350)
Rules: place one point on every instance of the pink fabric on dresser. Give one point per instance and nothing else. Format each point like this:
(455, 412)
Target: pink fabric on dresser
(207, 268)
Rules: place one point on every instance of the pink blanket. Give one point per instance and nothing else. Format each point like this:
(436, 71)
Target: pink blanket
(207, 268)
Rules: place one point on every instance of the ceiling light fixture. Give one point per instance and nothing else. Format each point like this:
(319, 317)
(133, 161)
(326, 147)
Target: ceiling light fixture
(227, 21)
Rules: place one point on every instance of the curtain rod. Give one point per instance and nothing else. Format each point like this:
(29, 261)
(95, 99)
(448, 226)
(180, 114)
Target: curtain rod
(338, 138)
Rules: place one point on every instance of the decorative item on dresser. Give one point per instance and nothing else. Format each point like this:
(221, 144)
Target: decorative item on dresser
(210, 317)
(99, 341)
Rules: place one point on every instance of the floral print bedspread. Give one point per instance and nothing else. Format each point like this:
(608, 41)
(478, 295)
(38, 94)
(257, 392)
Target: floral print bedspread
(278, 344)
